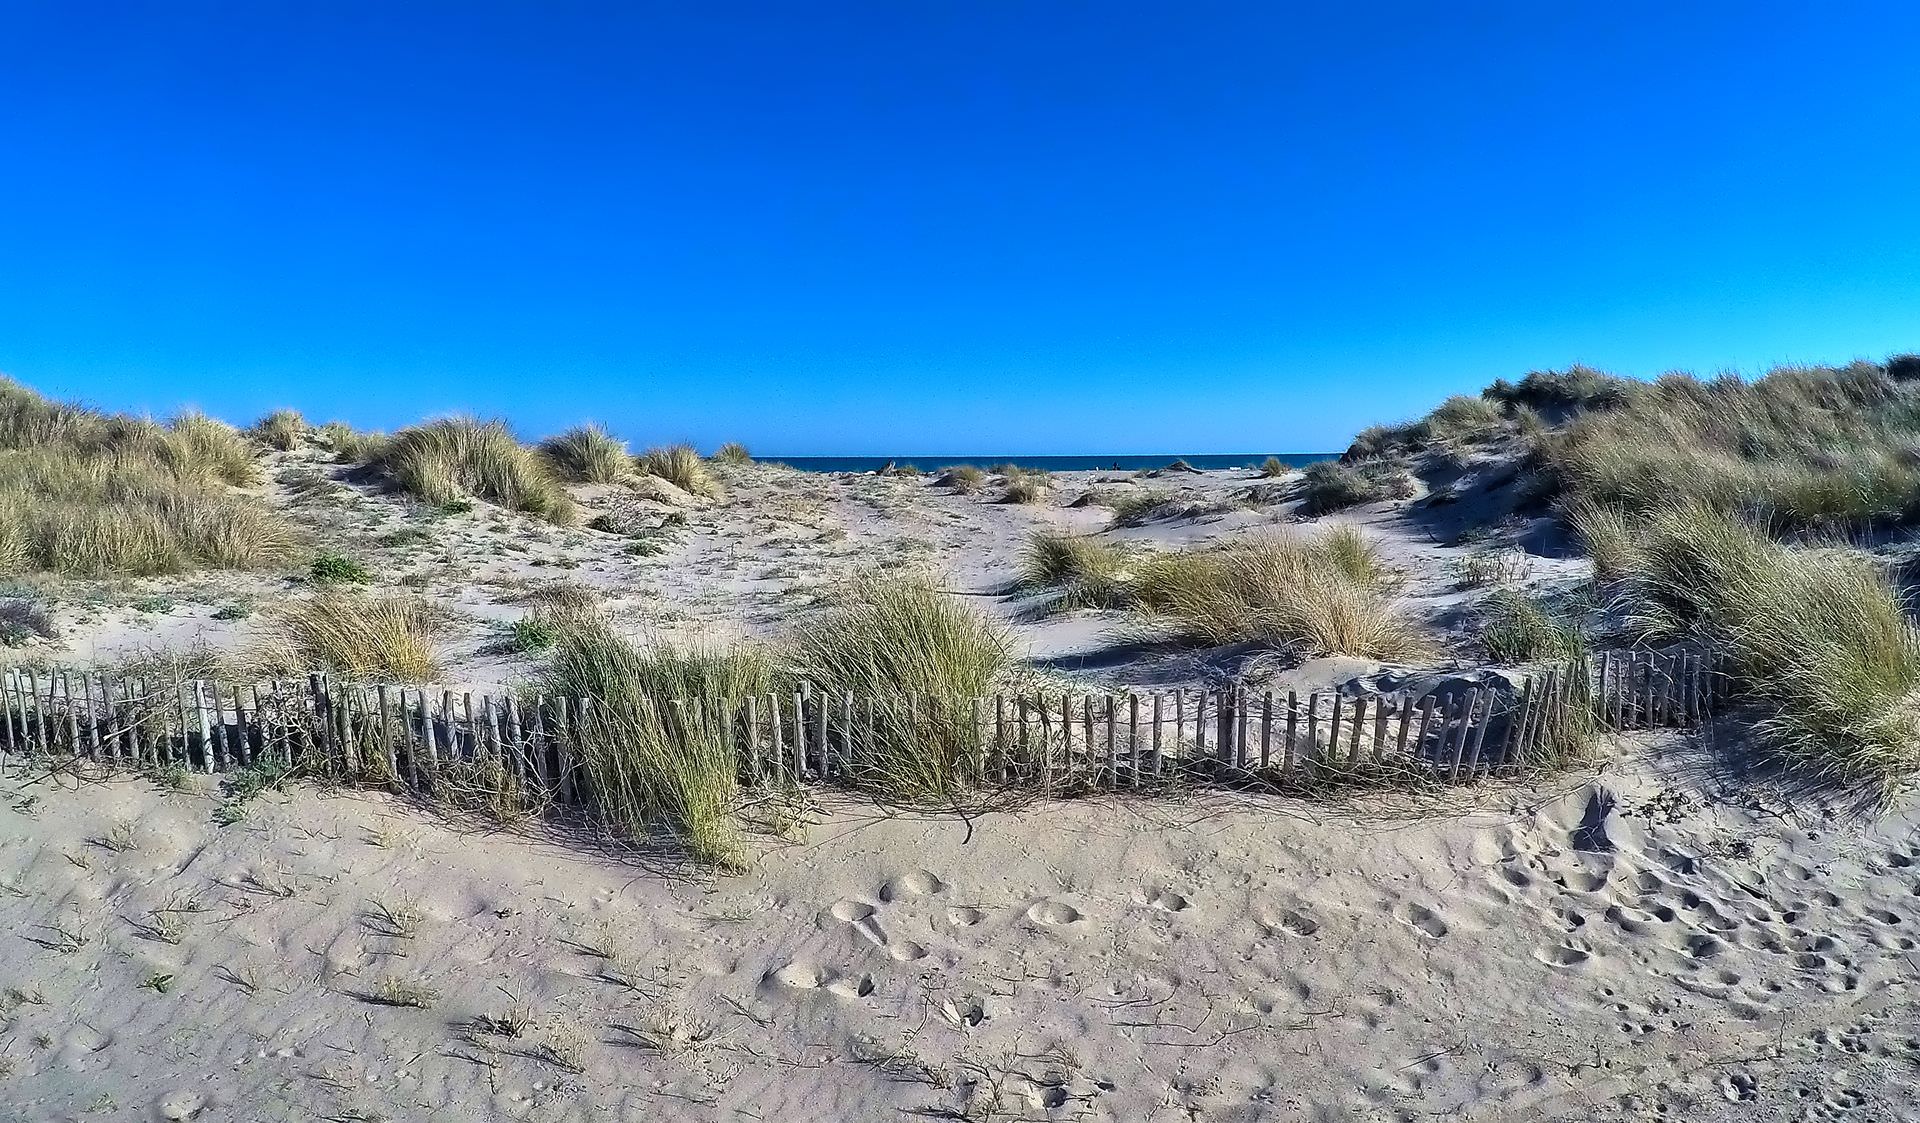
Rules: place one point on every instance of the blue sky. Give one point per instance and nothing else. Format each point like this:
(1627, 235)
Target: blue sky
(942, 227)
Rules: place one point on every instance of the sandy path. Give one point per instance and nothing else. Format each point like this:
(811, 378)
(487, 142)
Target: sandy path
(1619, 947)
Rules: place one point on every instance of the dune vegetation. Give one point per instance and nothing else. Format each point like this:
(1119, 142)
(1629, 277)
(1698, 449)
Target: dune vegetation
(90, 494)
(587, 454)
(682, 467)
(454, 458)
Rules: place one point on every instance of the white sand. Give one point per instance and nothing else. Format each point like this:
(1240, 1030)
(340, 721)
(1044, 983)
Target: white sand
(1703, 957)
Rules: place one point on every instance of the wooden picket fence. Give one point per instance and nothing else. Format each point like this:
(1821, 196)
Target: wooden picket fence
(429, 740)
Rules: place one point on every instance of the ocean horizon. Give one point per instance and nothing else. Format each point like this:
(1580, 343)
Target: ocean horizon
(1113, 463)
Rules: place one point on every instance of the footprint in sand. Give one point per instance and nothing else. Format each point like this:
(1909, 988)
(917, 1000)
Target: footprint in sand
(1168, 901)
(802, 976)
(852, 986)
(1561, 955)
(1052, 913)
(179, 1105)
(1299, 923)
(919, 883)
(906, 951)
(852, 912)
(1424, 919)
(962, 916)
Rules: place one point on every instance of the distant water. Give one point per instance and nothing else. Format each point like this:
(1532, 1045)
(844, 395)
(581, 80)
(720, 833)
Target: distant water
(1047, 463)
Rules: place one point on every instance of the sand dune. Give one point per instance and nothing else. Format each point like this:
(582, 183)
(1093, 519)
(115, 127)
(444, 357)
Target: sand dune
(1622, 945)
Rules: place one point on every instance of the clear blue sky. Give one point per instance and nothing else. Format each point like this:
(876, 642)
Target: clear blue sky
(927, 227)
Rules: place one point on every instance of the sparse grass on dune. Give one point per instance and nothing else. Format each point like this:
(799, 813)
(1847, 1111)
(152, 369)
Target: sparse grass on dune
(1273, 468)
(356, 635)
(1331, 486)
(649, 764)
(350, 445)
(587, 454)
(732, 453)
(899, 637)
(1819, 632)
(682, 467)
(282, 429)
(453, 458)
(1025, 487)
(1313, 596)
(1517, 628)
(1089, 572)
(963, 478)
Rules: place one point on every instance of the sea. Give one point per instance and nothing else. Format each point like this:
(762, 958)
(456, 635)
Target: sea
(1116, 463)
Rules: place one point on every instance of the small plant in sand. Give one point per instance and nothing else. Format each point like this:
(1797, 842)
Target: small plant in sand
(22, 621)
(733, 452)
(1273, 468)
(392, 990)
(337, 569)
(282, 429)
(535, 632)
(1324, 596)
(395, 919)
(454, 459)
(587, 454)
(392, 638)
(1491, 568)
(682, 467)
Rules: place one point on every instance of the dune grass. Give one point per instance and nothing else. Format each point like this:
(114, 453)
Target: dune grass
(453, 458)
(356, 635)
(1820, 633)
(1333, 486)
(1324, 596)
(649, 764)
(926, 656)
(1273, 468)
(732, 453)
(1518, 628)
(587, 454)
(350, 445)
(1089, 572)
(282, 429)
(682, 467)
(963, 478)
(1022, 486)
(140, 501)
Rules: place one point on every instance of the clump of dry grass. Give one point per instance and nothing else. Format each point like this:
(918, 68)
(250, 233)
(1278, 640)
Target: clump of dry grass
(350, 445)
(1273, 468)
(648, 763)
(216, 446)
(452, 458)
(588, 454)
(94, 494)
(1333, 486)
(1091, 573)
(963, 478)
(732, 453)
(282, 429)
(682, 467)
(360, 636)
(1022, 485)
(1325, 596)
(898, 637)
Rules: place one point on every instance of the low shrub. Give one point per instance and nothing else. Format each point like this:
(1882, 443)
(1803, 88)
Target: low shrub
(587, 454)
(443, 462)
(22, 621)
(333, 569)
(682, 467)
(535, 632)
